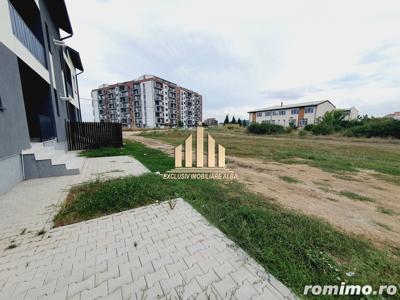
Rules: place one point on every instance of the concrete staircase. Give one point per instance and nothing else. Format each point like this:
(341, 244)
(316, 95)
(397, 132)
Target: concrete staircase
(50, 159)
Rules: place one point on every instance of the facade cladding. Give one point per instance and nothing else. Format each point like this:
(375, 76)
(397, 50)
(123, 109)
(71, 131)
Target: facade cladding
(38, 80)
(147, 102)
(298, 115)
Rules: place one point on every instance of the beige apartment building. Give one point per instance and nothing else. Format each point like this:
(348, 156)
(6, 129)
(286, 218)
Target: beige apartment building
(147, 102)
(298, 114)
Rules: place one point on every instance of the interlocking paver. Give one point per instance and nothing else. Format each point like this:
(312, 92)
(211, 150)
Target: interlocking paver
(98, 291)
(226, 287)
(207, 279)
(149, 252)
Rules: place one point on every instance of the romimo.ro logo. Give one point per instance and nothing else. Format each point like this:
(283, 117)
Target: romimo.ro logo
(349, 290)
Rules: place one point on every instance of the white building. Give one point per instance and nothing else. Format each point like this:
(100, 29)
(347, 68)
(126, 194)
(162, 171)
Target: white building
(298, 114)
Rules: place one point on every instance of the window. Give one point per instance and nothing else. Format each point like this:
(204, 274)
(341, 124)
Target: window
(56, 99)
(272, 121)
(1, 105)
(309, 110)
(275, 113)
(303, 122)
(267, 113)
(259, 114)
(295, 111)
(282, 112)
(48, 37)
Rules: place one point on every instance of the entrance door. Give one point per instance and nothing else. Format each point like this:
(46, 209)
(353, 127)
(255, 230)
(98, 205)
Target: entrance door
(38, 104)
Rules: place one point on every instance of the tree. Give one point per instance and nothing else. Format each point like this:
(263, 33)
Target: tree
(226, 119)
(180, 124)
(239, 122)
(233, 120)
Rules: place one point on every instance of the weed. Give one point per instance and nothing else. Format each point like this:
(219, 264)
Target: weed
(172, 203)
(289, 179)
(387, 227)
(332, 199)
(283, 241)
(355, 196)
(41, 232)
(387, 211)
(11, 246)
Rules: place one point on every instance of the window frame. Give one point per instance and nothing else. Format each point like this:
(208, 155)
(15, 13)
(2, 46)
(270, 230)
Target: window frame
(2, 108)
(307, 110)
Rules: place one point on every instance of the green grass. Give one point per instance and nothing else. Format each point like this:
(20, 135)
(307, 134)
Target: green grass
(297, 249)
(289, 179)
(329, 154)
(355, 196)
(387, 211)
(151, 158)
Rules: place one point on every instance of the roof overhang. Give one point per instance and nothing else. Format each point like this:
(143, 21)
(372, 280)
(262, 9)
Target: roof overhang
(75, 58)
(59, 13)
(289, 106)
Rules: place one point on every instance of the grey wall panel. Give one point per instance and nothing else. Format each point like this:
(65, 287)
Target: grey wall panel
(54, 33)
(10, 172)
(14, 134)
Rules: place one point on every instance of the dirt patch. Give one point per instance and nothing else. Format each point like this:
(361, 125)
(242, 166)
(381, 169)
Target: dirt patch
(155, 144)
(321, 194)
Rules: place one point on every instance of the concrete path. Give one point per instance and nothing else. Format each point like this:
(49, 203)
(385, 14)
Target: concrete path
(152, 252)
(31, 205)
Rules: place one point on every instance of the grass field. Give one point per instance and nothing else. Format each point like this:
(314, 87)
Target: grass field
(330, 154)
(297, 249)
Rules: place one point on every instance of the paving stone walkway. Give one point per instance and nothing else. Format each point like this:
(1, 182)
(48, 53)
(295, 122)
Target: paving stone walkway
(31, 205)
(152, 252)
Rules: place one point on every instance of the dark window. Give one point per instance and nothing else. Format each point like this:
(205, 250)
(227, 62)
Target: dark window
(48, 38)
(56, 99)
(1, 105)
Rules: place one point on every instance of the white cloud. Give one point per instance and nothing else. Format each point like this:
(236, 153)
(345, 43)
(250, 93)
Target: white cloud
(239, 54)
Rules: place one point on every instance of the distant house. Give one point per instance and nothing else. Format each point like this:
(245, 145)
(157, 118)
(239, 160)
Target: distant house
(395, 115)
(351, 113)
(298, 114)
(211, 122)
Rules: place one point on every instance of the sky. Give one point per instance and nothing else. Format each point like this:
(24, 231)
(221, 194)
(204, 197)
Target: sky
(244, 55)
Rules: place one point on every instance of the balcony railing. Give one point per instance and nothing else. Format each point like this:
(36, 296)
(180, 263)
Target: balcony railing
(26, 36)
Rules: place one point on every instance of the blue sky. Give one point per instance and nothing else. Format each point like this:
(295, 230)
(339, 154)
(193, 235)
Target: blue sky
(246, 54)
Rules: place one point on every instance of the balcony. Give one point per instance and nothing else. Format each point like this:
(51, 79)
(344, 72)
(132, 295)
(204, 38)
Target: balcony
(25, 35)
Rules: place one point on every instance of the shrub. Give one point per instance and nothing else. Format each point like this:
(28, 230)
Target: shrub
(265, 128)
(302, 133)
(375, 127)
(309, 127)
(322, 129)
(288, 130)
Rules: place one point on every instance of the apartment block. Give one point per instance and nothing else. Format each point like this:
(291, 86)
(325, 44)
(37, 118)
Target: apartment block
(147, 102)
(299, 114)
(38, 81)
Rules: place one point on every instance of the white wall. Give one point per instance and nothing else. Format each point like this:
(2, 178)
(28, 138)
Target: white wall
(149, 112)
(95, 104)
(285, 119)
(75, 99)
(323, 108)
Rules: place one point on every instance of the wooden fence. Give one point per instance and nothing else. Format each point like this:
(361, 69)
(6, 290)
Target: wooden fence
(92, 135)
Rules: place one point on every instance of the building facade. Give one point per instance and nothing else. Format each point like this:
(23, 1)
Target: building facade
(38, 80)
(395, 115)
(147, 102)
(299, 115)
(211, 122)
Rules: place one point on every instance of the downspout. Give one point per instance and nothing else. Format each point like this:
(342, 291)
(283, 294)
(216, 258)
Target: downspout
(23, 166)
